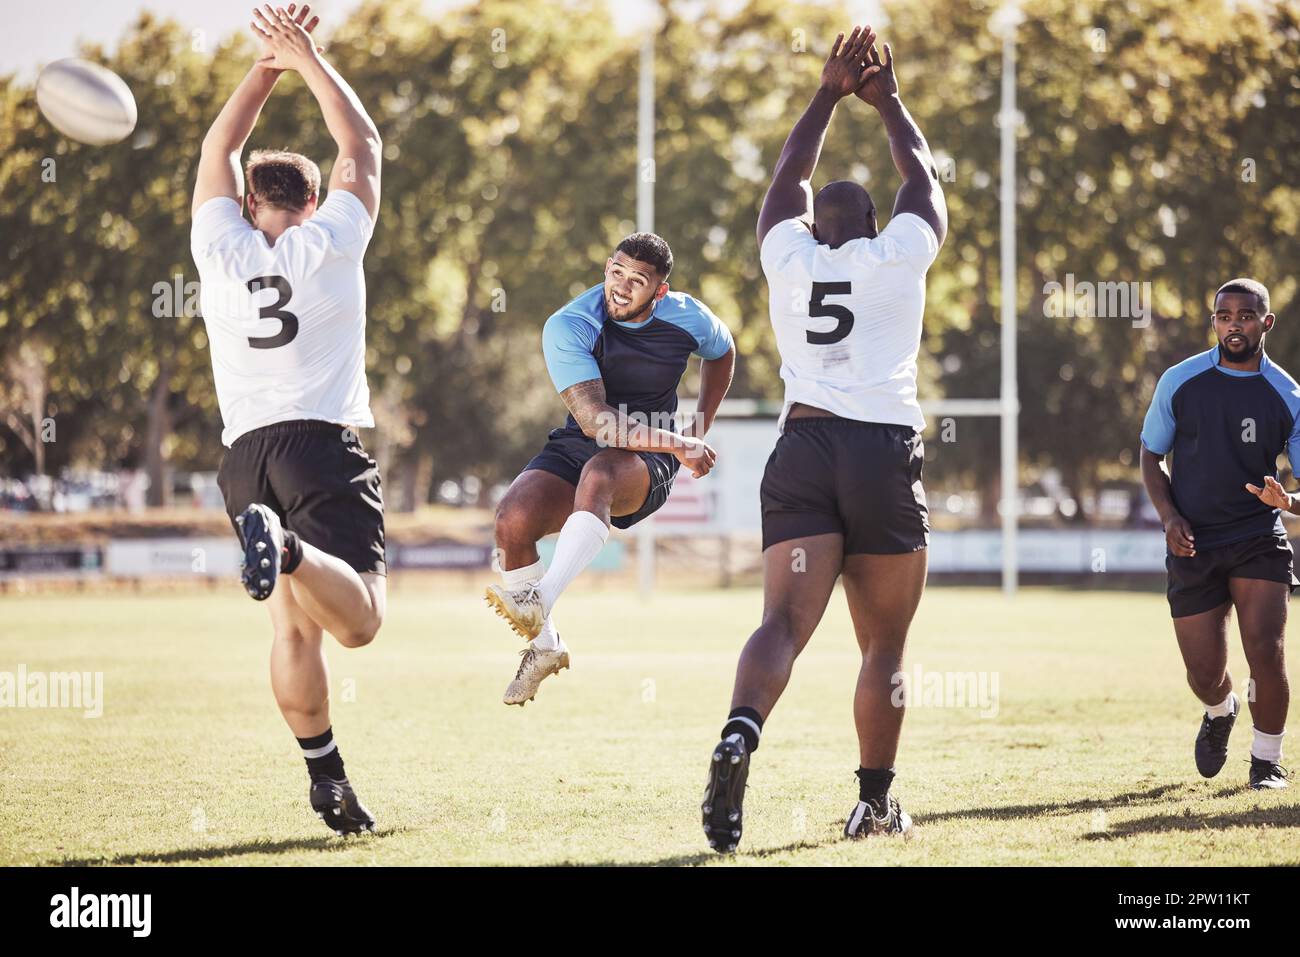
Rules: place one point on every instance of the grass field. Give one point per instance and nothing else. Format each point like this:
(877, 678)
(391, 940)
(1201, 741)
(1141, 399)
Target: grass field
(1087, 761)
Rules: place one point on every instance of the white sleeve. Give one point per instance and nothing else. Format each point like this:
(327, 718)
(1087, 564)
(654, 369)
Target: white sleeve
(345, 219)
(909, 238)
(218, 223)
(781, 242)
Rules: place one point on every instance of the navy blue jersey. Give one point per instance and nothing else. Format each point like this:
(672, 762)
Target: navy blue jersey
(1224, 428)
(641, 363)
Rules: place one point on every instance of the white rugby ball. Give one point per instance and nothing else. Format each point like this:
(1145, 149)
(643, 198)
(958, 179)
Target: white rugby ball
(86, 102)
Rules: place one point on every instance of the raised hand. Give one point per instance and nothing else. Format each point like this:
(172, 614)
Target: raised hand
(1272, 494)
(285, 36)
(881, 84)
(846, 68)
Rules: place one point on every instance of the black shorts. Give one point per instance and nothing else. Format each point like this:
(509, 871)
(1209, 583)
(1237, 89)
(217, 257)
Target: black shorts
(566, 451)
(861, 479)
(1200, 583)
(319, 480)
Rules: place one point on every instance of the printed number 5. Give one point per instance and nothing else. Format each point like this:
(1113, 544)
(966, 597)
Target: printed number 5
(289, 322)
(818, 308)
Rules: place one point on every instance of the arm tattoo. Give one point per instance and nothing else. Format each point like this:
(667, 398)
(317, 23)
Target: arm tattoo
(587, 405)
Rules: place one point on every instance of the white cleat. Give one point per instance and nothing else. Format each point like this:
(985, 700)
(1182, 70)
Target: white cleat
(537, 664)
(521, 609)
(875, 820)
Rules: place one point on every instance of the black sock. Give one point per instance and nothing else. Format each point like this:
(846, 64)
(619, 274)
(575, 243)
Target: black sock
(750, 732)
(290, 555)
(873, 783)
(323, 765)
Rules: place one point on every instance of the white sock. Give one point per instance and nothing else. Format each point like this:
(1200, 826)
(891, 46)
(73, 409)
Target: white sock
(1223, 708)
(1267, 747)
(548, 639)
(581, 539)
(517, 578)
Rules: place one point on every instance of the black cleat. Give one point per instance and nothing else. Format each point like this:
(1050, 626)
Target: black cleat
(879, 816)
(724, 794)
(1212, 742)
(1267, 775)
(337, 805)
(262, 538)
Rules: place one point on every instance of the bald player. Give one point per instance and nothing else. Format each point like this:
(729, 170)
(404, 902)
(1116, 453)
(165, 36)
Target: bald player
(841, 494)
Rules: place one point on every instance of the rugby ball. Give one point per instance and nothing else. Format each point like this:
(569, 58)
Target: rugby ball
(86, 102)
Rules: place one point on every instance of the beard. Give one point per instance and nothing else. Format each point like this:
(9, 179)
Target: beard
(1242, 354)
(623, 313)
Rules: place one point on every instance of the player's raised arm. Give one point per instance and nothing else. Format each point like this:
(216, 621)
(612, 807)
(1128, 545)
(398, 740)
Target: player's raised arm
(219, 173)
(356, 170)
(920, 193)
(790, 195)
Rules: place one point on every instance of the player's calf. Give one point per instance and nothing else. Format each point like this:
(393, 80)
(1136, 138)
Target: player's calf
(526, 607)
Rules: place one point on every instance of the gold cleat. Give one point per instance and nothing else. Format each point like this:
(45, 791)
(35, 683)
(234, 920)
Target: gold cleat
(536, 665)
(521, 609)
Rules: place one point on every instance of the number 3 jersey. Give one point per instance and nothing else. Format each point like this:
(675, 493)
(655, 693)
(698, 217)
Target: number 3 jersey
(286, 323)
(848, 320)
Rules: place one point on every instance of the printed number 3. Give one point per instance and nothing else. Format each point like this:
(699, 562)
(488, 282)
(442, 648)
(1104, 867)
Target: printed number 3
(289, 322)
(818, 308)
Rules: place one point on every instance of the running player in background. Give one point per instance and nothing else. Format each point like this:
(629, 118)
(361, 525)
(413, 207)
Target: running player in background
(1226, 415)
(842, 491)
(284, 305)
(616, 355)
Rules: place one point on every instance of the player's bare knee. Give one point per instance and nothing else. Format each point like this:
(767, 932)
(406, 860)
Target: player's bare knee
(362, 633)
(882, 656)
(881, 670)
(513, 523)
(296, 634)
(599, 475)
(1204, 682)
(1263, 650)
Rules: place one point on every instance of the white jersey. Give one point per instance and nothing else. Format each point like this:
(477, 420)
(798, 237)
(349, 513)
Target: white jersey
(848, 320)
(286, 323)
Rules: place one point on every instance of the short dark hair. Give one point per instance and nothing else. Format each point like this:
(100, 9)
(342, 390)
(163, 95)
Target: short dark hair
(1249, 287)
(649, 248)
(282, 180)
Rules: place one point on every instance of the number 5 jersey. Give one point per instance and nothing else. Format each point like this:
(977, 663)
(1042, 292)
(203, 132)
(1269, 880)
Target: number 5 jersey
(848, 320)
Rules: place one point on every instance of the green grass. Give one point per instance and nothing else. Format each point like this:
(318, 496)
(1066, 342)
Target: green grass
(1088, 760)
